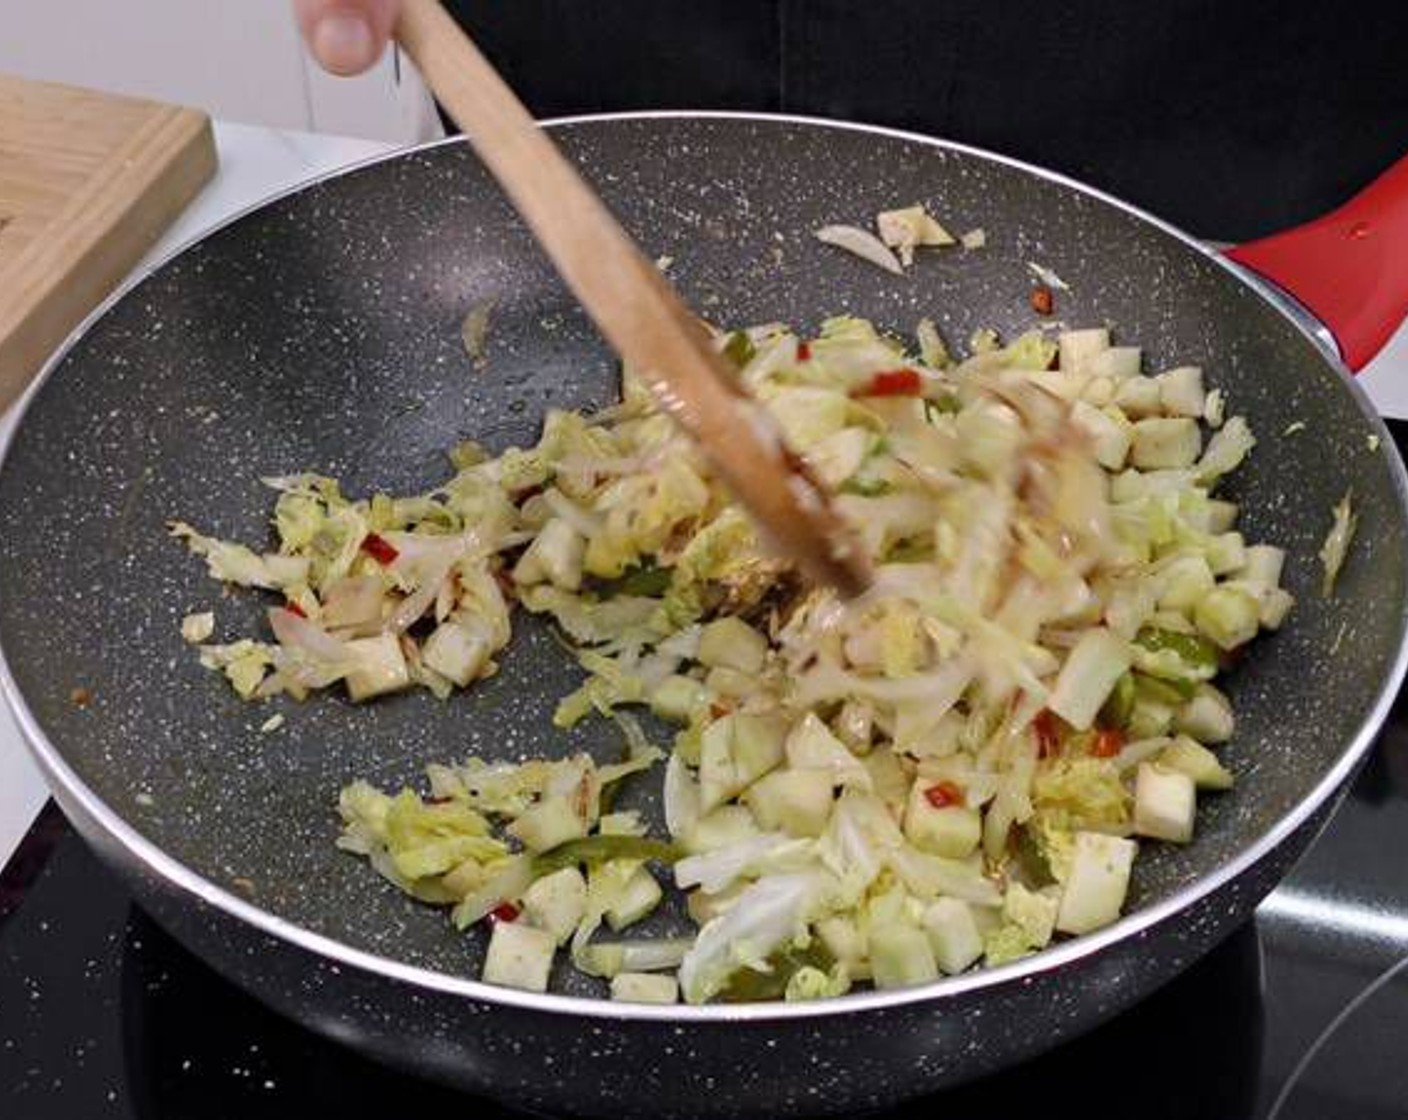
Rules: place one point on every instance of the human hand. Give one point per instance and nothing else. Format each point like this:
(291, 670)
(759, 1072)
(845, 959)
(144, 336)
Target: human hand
(346, 36)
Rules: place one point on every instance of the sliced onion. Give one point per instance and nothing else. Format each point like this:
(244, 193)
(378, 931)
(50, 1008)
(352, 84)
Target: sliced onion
(1047, 277)
(410, 609)
(862, 243)
(300, 634)
(715, 871)
(353, 602)
(681, 796)
(507, 885)
(610, 958)
(416, 549)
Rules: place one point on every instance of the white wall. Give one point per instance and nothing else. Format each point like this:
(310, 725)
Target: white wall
(240, 60)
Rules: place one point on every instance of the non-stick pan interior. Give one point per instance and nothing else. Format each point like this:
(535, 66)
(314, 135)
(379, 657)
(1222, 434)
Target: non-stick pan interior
(324, 332)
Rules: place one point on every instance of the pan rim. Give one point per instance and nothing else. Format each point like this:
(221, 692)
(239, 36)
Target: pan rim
(189, 882)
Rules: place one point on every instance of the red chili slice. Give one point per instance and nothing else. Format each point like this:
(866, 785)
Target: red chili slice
(1048, 734)
(804, 352)
(892, 383)
(379, 548)
(294, 608)
(504, 912)
(944, 794)
(1108, 742)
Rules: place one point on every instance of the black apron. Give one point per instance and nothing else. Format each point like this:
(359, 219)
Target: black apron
(1231, 118)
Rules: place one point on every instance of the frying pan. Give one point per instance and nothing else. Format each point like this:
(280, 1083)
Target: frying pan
(322, 331)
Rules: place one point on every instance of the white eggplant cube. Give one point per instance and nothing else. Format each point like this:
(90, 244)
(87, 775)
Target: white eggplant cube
(456, 652)
(1165, 443)
(519, 957)
(796, 801)
(1165, 801)
(381, 668)
(953, 934)
(1098, 660)
(1096, 885)
(900, 956)
(1181, 392)
(557, 902)
(644, 987)
(942, 830)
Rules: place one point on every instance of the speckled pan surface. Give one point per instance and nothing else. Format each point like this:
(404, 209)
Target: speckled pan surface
(323, 332)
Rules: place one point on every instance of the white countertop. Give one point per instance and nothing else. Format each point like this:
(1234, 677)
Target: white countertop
(256, 162)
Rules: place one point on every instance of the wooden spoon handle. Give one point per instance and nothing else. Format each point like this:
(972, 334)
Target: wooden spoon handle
(632, 304)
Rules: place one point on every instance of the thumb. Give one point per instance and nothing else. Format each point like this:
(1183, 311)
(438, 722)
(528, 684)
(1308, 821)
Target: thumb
(346, 36)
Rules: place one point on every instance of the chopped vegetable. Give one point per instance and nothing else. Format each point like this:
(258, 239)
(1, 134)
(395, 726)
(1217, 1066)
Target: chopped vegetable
(1229, 616)
(557, 902)
(1215, 408)
(905, 230)
(901, 956)
(892, 383)
(932, 351)
(1337, 542)
(1089, 674)
(1096, 883)
(939, 773)
(953, 934)
(1190, 757)
(1165, 443)
(379, 548)
(860, 243)
(731, 643)
(475, 329)
(1164, 803)
(519, 957)
(644, 987)
(1229, 445)
(1047, 277)
(1181, 391)
(1079, 348)
(937, 820)
(197, 628)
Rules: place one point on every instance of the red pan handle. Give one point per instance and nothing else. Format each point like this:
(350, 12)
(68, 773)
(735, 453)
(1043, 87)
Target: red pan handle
(1350, 267)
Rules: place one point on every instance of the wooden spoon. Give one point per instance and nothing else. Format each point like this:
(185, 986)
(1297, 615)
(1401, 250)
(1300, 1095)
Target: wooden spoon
(633, 305)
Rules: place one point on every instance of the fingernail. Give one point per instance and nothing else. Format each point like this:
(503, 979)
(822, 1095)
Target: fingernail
(343, 43)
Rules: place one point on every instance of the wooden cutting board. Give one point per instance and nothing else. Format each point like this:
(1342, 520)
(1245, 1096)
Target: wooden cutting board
(88, 182)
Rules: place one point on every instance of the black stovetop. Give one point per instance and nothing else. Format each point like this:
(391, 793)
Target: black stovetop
(1301, 1015)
